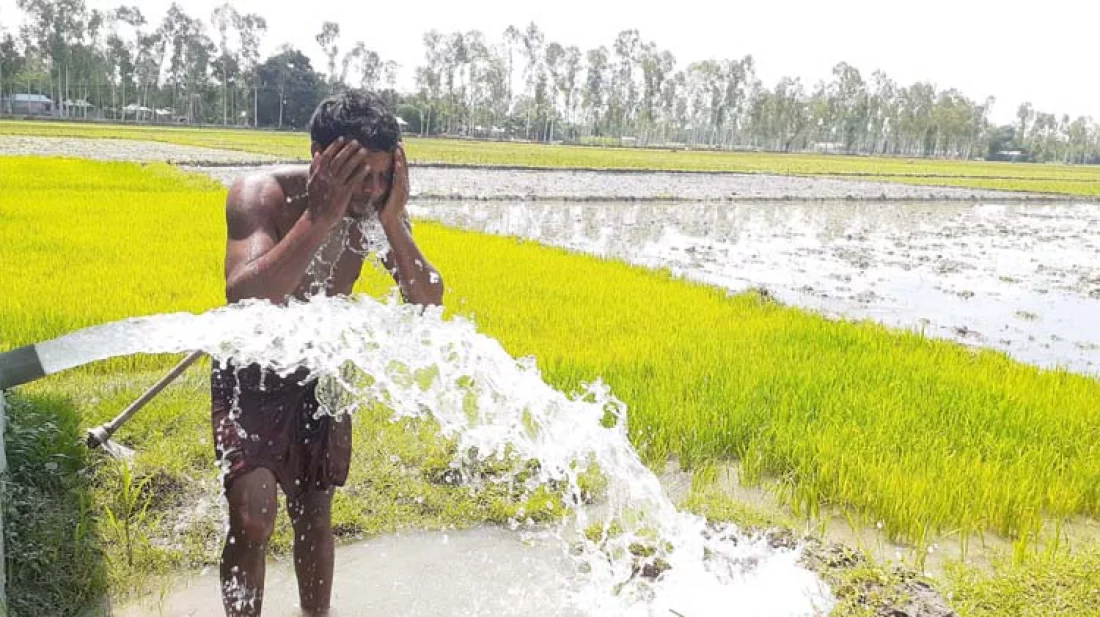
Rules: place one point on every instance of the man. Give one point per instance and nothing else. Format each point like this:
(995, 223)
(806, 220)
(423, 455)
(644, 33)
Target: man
(296, 232)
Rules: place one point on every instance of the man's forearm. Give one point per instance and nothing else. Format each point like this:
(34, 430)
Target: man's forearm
(420, 283)
(276, 274)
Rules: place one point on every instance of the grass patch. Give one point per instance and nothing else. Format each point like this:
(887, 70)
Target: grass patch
(1041, 585)
(50, 535)
(924, 435)
(88, 242)
(1052, 178)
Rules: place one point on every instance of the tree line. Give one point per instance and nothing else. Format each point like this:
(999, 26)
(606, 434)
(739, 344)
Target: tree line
(209, 70)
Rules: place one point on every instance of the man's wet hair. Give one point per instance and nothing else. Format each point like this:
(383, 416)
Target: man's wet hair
(361, 115)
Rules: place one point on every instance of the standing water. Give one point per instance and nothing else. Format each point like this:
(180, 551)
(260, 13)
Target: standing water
(630, 552)
(1020, 278)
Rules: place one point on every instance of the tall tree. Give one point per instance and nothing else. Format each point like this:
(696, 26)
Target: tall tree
(223, 18)
(429, 77)
(852, 105)
(624, 94)
(656, 66)
(513, 44)
(389, 74)
(596, 77)
(1024, 113)
(251, 29)
(554, 56)
(570, 73)
(190, 52)
(290, 90)
(329, 40)
(351, 60)
(534, 77)
(55, 29)
(12, 62)
(123, 52)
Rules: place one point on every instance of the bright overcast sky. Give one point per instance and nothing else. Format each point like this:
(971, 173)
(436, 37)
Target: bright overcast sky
(1040, 52)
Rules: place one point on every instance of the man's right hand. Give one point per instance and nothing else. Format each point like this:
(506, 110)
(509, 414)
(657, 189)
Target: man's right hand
(334, 176)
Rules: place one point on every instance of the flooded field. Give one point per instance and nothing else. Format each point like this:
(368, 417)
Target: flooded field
(1021, 278)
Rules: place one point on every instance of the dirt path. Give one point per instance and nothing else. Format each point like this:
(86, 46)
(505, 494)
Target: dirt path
(125, 150)
(442, 182)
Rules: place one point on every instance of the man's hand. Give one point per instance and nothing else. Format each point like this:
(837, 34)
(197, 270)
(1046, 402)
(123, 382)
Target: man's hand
(393, 212)
(420, 283)
(334, 176)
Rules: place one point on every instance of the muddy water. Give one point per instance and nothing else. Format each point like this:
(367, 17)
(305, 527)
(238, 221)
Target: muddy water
(476, 572)
(1021, 278)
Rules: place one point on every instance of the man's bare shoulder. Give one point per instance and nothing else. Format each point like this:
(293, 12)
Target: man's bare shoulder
(266, 190)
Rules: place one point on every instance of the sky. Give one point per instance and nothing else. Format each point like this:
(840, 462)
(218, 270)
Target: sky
(1038, 52)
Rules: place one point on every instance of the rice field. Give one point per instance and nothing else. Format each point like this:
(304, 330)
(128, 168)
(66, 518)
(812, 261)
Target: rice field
(924, 436)
(1044, 178)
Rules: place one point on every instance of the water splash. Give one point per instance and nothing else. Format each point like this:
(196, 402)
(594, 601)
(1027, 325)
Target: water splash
(634, 554)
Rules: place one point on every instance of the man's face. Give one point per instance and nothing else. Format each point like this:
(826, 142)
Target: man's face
(376, 185)
(375, 189)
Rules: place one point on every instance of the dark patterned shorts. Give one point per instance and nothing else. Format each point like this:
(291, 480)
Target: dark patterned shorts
(263, 420)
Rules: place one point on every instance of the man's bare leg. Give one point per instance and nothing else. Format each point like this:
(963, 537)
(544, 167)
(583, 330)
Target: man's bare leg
(252, 505)
(311, 516)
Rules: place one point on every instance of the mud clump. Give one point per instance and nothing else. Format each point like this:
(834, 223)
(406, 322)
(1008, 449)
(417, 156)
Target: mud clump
(858, 582)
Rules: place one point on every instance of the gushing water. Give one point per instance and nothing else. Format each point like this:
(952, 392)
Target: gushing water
(631, 551)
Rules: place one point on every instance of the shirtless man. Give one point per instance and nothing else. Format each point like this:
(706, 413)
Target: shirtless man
(297, 232)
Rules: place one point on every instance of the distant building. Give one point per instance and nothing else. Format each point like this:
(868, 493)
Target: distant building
(27, 105)
(1012, 156)
(79, 107)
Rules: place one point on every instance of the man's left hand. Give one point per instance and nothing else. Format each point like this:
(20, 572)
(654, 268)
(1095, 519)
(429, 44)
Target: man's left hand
(393, 212)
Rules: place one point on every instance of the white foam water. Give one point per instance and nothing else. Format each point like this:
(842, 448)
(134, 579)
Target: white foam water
(421, 365)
